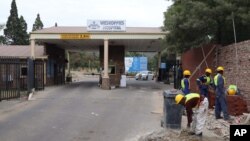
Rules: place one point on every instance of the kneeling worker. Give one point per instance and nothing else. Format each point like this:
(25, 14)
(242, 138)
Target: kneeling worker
(233, 90)
(197, 108)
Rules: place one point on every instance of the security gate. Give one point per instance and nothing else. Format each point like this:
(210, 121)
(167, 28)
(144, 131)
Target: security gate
(18, 76)
(39, 74)
(10, 78)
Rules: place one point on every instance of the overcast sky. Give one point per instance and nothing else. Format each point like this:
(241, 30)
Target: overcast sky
(137, 13)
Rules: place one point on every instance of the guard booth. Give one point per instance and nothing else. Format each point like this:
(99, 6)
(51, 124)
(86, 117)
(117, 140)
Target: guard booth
(111, 38)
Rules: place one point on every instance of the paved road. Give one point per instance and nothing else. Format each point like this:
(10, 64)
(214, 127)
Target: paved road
(84, 112)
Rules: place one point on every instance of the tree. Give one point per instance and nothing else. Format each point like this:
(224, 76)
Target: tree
(2, 40)
(24, 37)
(13, 26)
(133, 54)
(191, 22)
(38, 24)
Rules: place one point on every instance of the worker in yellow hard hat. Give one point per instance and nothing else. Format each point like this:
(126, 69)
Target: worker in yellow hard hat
(197, 107)
(233, 90)
(220, 100)
(204, 82)
(185, 84)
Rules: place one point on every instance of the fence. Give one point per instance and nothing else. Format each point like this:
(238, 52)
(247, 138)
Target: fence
(18, 76)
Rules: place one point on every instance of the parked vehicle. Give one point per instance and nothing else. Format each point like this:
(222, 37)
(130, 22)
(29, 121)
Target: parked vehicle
(144, 75)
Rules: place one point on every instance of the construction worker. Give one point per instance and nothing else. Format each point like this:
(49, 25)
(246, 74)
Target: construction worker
(197, 107)
(233, 90)
(204, 82)
(220, 98)
(185, 84)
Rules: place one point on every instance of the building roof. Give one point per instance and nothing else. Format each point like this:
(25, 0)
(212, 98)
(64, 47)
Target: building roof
(136, 39)
(20, 51)
(78, 29)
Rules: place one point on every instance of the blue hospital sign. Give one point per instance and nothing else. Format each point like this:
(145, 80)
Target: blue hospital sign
(136, 64)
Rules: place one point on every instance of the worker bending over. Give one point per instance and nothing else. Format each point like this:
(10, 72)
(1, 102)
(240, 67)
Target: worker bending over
(197, 107)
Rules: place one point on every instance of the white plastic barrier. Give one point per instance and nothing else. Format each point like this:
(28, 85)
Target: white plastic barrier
(123, 81)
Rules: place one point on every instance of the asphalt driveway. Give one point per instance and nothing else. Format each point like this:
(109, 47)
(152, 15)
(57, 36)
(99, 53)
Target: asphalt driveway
(82, 111)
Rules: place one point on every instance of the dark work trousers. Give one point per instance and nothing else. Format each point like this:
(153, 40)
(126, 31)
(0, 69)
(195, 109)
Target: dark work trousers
(221, 105)
(204, 90)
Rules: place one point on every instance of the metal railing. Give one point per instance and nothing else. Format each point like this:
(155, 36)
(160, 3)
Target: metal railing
(18, 76)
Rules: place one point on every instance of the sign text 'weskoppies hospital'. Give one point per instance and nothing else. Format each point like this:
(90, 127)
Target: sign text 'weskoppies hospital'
(106, 25)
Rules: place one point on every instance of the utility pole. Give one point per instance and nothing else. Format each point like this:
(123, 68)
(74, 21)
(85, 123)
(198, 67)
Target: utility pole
(236, 50)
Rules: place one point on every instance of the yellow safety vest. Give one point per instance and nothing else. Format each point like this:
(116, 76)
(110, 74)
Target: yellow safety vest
(208, 82)
(191, 95)
(216, 80)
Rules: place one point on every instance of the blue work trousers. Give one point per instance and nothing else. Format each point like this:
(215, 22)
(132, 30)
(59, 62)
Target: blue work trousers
(221, 105)
(204, 90)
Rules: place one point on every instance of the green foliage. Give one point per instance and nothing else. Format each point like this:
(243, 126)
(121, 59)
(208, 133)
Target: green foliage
(133, 54)
(191, 23)
(84, 60)
(24, 37)
(153, 63)
(12, 26)
(16, 29)
(2, 40)
(38, 24)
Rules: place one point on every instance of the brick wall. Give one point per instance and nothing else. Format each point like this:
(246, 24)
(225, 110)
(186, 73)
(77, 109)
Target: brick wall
(227, 59)
(223, 56)
(191, 59)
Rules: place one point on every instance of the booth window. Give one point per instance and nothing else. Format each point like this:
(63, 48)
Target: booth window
(24, 71)
(112, 69)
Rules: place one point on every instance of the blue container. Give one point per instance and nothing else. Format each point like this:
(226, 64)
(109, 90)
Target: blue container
(172, 112)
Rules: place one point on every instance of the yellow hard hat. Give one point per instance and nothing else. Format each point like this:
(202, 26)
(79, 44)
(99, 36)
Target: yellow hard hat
(178, 98)
(208, 70)
(186, 72)
(220, 68)
(231, 92)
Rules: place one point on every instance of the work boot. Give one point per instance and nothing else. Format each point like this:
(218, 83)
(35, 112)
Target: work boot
(229, 119)
(191, 133)
(218, 117)
(199, 135)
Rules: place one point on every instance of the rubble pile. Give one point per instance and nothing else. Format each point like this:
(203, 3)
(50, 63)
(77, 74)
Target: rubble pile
(170, 135)
(214, 130)
(221, 127)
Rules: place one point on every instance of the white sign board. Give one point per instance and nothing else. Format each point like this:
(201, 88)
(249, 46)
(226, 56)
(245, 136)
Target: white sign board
(106, 25)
